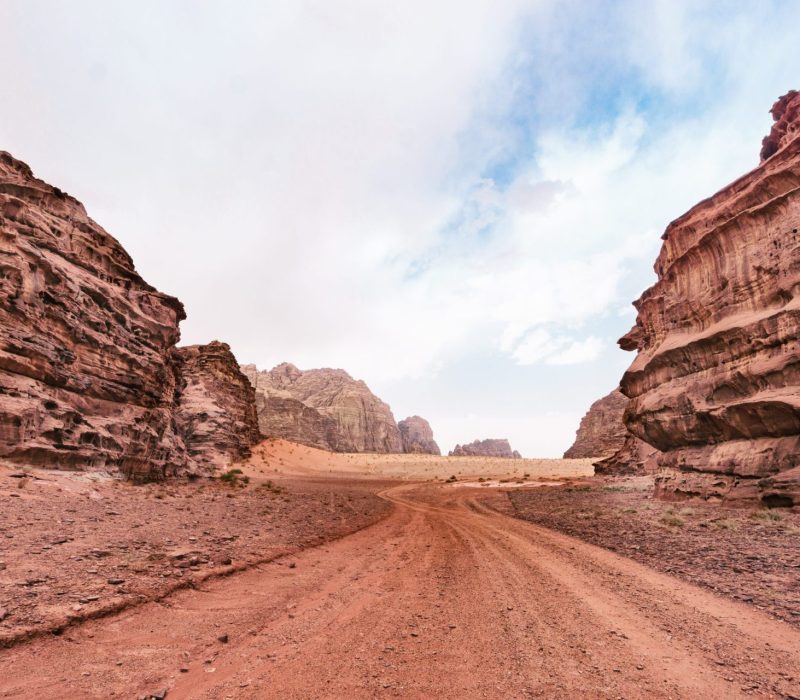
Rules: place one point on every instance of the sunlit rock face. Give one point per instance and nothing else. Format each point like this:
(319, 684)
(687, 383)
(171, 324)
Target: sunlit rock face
(486, 448)
(323, 408)
(417, 436)
(89, 376)
(715, 385)
(602, 431)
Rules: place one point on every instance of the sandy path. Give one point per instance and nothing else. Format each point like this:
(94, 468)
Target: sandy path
(443, 598)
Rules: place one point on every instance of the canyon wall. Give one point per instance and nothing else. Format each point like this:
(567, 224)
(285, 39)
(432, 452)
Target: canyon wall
(602, 431)
(88, 379)
(715, 385)
(486, 448)
(417, 436)
(345, 415)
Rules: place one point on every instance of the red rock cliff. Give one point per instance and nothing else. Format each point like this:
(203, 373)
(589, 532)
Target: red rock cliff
(323, 408)
(716, 382)
(88, 376)
(417, 436)
(602, 431)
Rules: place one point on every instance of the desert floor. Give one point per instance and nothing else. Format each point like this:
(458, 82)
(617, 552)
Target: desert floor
(438, 592)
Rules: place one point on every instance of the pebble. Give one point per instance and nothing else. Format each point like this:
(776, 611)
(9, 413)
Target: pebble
(223, 638)
(3, 614)
(116, 581)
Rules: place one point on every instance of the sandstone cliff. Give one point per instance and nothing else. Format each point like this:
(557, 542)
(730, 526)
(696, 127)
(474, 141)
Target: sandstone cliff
(215, 413)
(602, 431)
(346, 416)
(88, 379)
(417, 436)
(716, 382)
(486, 448)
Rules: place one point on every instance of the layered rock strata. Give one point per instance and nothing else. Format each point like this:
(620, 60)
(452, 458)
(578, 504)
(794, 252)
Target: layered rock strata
(345, 415)
(715, 385)
(417, 436)
(88, 376)
(602, 431)
(216, 409)
(486, 448)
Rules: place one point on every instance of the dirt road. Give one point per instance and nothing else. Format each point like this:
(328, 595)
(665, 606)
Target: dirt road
(444, 598)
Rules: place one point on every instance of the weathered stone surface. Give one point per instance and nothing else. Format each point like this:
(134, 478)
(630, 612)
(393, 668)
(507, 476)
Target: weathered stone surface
(486, 448)
(88, 373)
(602, 431)
(716, 382)
(417, 436)
(216, 408)
(634, 457)
(350, 417)
(85, 375)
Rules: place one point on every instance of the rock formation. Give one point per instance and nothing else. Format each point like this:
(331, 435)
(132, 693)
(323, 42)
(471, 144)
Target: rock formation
(634, 457)
(88, 378)
(602, 431)
(417, 436)
(716, 382)
(486, 448)
(345, 415)
(216, 409)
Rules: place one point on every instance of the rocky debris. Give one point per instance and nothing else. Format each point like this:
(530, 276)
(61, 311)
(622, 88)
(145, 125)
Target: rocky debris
(491, 447)
(602, 431)
(714, 385)
(216, 409)
(164, 536)
(417, 436)
(751, 556)
(345, 417)
(89, 377)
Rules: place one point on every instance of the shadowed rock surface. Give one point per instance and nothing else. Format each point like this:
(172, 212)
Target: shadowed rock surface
(417, 436)
(88, 376)
(486, 448)
(716, 382)
(345, 417)
(602, 431)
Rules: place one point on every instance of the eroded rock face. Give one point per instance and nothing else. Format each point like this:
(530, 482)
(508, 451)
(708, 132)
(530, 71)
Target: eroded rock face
(85, 375)
(716, 382)
(89, 378)
(216, 408)
(634, 457)
(602, 431)
(486, 448)
(346, 416)
(417, 436)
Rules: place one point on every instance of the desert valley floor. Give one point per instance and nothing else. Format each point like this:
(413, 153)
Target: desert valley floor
(359, 576)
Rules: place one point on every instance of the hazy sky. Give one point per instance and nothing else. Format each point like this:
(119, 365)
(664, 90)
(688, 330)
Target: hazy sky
(454, 200)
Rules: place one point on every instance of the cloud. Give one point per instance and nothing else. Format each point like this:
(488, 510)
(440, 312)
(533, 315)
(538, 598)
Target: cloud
(407, 191)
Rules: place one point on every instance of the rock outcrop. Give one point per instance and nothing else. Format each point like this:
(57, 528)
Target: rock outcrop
(486, 448)
(602, 431)
(346, 416)
(88, 376)
(215, 413)
(715, 385)
(634, 457)
(417, 436)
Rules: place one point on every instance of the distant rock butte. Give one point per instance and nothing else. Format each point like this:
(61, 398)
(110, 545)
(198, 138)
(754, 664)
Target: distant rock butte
(602, 431)
(324, 408)
(486, 448)
(88, 375)
(716, 382)
(417, 436)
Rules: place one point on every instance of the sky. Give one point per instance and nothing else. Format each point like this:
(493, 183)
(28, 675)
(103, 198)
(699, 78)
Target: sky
(455, 201)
